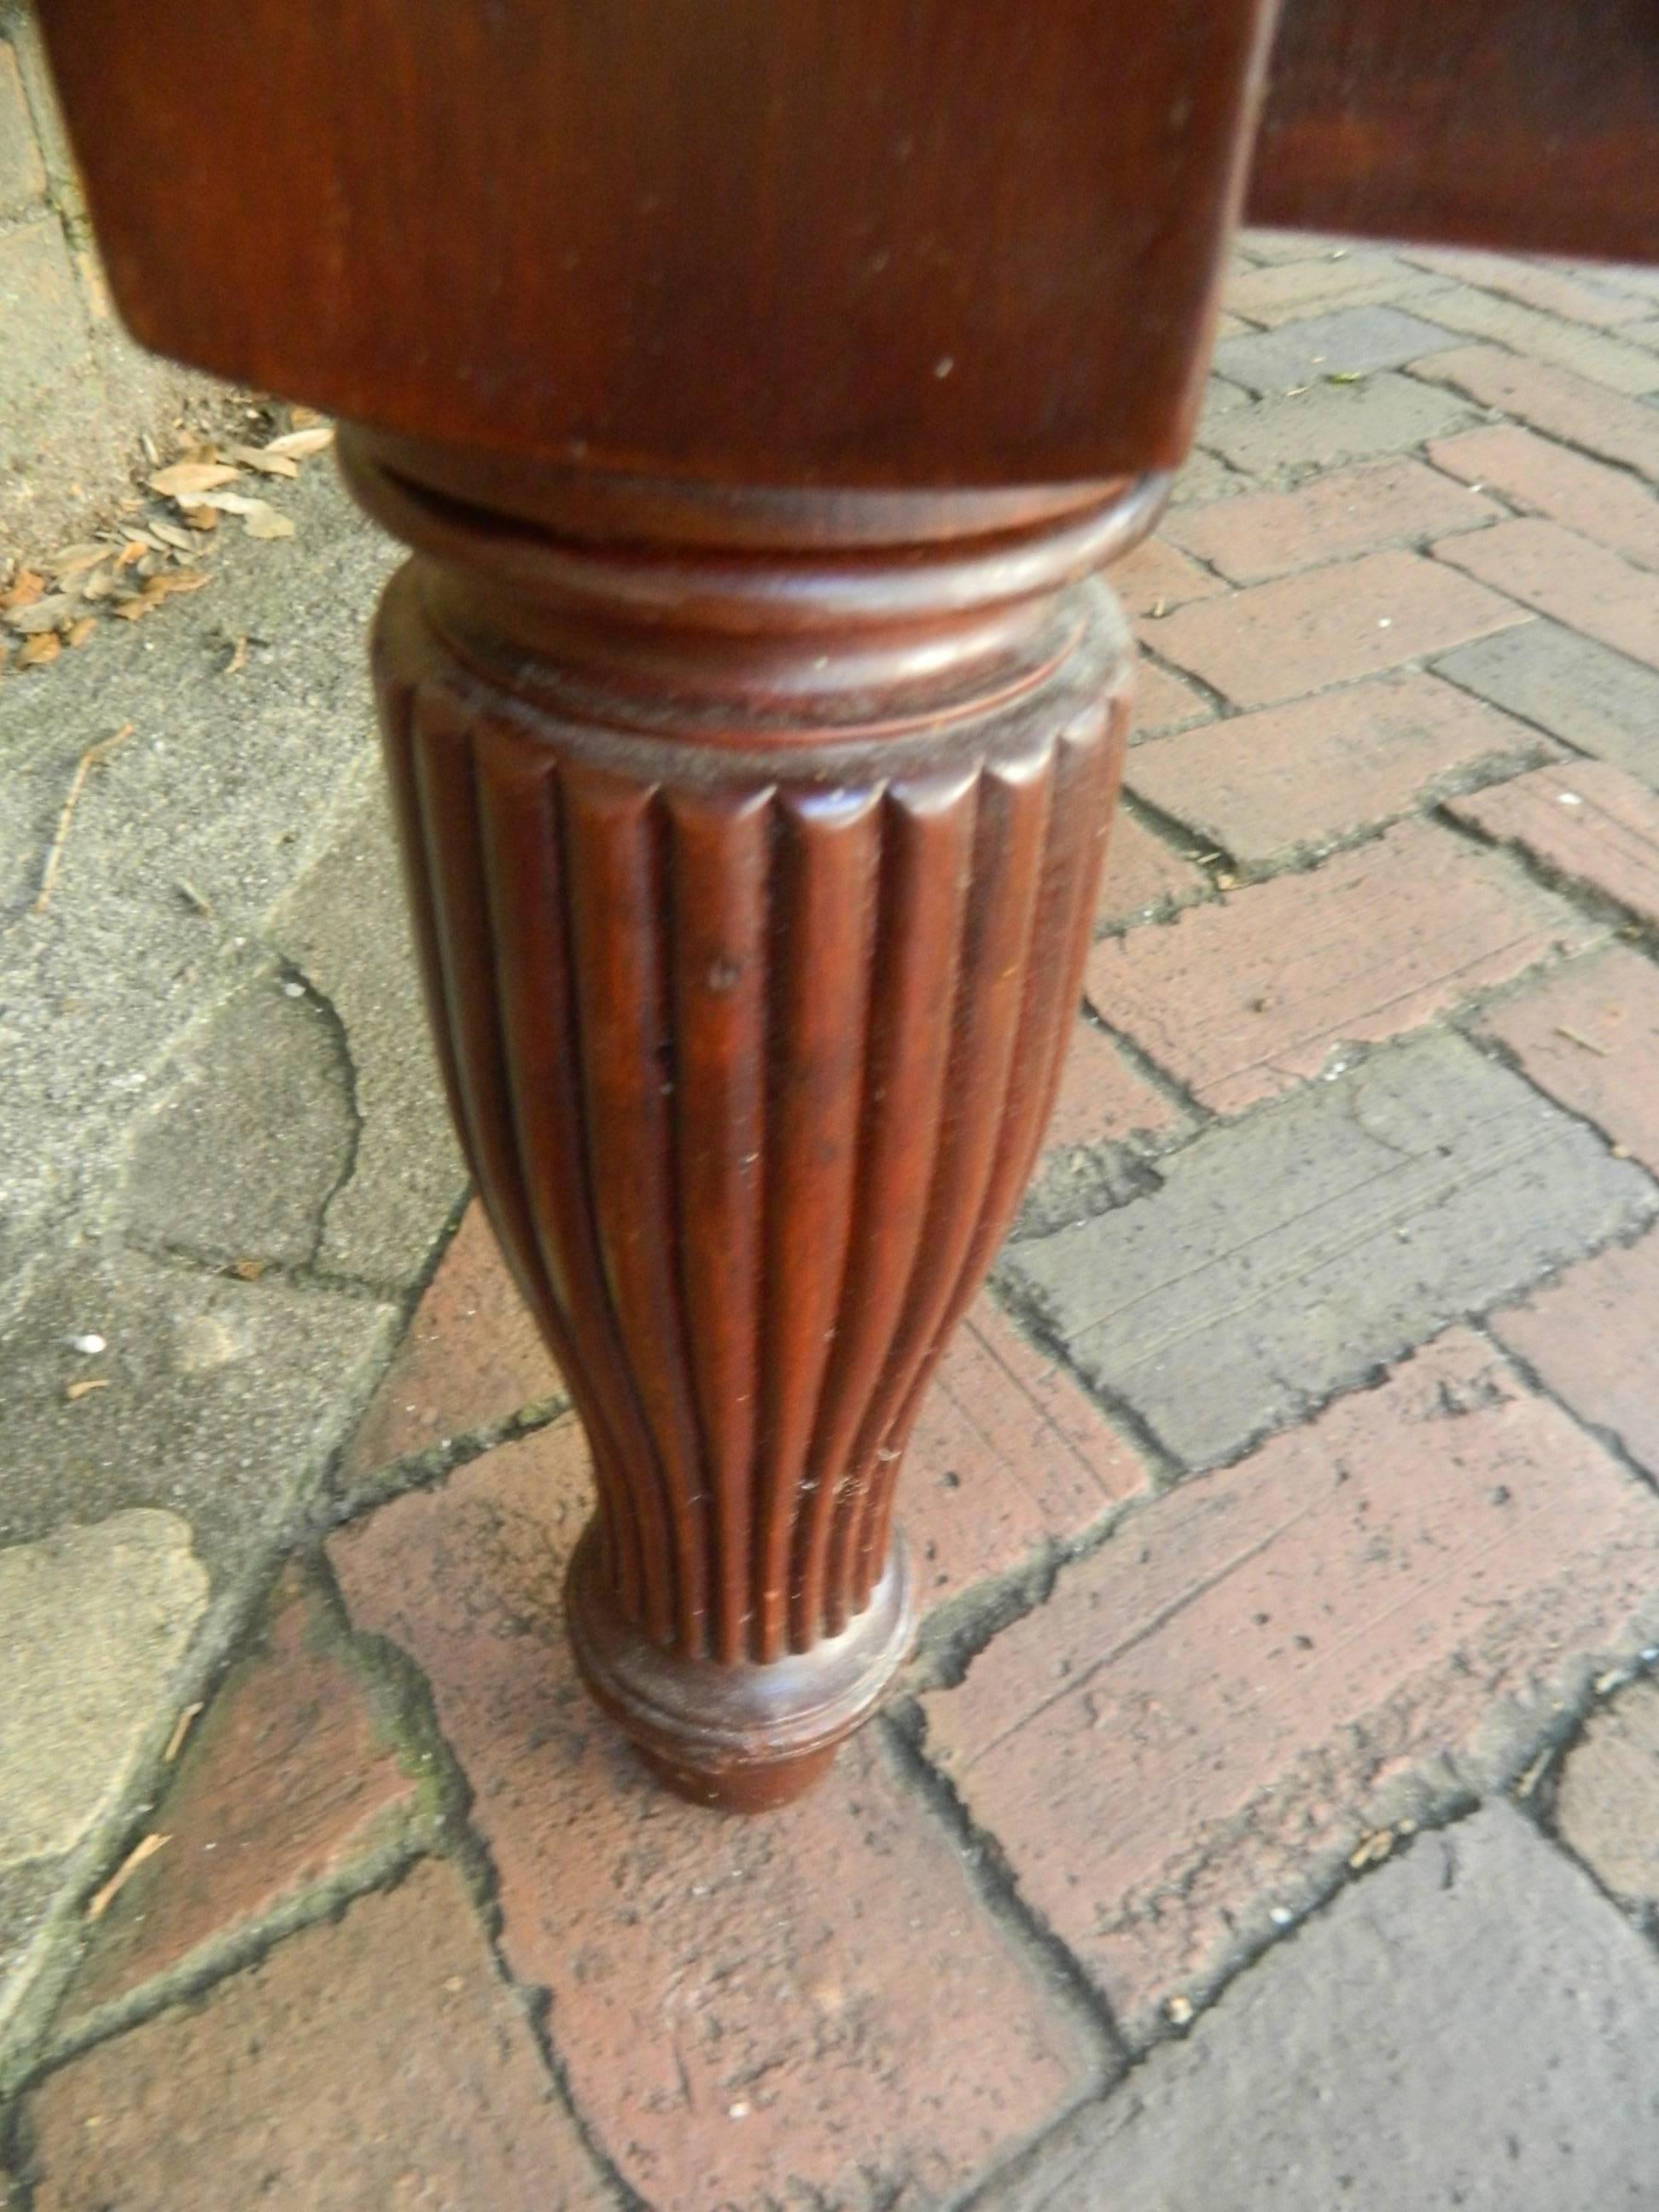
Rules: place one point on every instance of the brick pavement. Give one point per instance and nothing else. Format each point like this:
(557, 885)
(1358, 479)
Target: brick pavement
(1286, 1708)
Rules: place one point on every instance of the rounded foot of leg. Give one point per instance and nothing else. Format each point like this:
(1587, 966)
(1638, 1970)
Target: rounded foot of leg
(746, 1737)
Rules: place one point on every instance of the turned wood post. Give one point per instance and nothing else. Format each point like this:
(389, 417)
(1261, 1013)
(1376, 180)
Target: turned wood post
(753, 843)
(754, 721)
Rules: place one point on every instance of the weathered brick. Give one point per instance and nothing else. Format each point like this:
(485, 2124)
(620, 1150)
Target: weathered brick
(1310, 285)
(1579, 583)
(1336, 424)
(1329, 625)
(1553, 399)
(1143, 876)
(472, 1356)
(1569, 685)
(1283, 1258)
(1470, 2027)
(1212, 1705)
(371, 2063)
(1606, 1807)
(1272, 533)
(726, 1995)
(1544, 337)
(1262, 785)
(1158, 574)
(1351, 341)
(1587, 821)
(1242, 999)
(1598, 501)
(1555, 291)
(1009, 1457)
(1590, 1337)
(1164, 702)
(1589, 1036)
(1102, 1099)
(283, 1785)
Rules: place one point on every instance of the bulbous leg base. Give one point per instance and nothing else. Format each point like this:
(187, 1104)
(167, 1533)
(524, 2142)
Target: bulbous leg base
(748, 1737)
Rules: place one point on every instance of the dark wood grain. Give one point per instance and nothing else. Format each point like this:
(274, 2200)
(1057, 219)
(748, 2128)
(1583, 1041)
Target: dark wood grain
(1528, 123)
(753, 880)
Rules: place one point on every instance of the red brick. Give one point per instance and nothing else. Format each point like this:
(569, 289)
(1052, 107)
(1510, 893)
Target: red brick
(810, 2008)
(362, 2067)
(1606, 1807)
(1102, 1099)
(1142, 875)
(1555, 400)
(1553, 291)
(1586, 820)
(1241, 999)
(1156, 575)
(283, 1785)
(1335, 278)
(1009, 1456)
(1258, 785)
(1590, 1037)
(1273, 533)
(1214, 1705)
(472, 1358)
(1164, 701)
(1600, 502)
(1545, 338)
(1561, 574)
(1355, 618)
(1589, 1337)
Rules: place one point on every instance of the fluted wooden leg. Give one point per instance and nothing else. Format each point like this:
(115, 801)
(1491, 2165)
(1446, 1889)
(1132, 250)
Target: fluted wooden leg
(752, 844)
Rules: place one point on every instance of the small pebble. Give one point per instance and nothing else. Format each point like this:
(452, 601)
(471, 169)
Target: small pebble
(90, 1343)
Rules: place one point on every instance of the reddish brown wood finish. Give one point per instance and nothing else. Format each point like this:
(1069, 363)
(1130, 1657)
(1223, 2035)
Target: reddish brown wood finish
(753, 775)
(753, 847)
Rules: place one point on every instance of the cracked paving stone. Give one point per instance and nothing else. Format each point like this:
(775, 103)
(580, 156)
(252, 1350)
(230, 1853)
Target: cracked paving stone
(236, 1160)
(222, 1401)
(285, 1785)
(96, 1620)
(345, 927)
(1472, 2027)
(1287, 1254)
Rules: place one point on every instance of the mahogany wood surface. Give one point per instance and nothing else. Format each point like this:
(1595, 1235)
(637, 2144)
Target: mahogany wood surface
(760, 386)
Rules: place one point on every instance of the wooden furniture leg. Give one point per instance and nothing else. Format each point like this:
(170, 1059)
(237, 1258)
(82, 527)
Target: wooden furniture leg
(754, 719)
(753, 843)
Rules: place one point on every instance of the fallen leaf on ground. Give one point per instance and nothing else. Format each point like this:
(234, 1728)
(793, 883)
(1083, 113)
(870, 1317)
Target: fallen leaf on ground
(266, 459)
(25, 589)
(70, 560)
(40, 651)
(301, 444)
(79, 632)
(200, 517)
(73, 1390)
(238, 660)
(185, 479)
(263, 522)
(42, 614)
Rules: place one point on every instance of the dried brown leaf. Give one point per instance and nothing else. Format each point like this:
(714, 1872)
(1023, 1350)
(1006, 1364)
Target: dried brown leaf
(262, 521)
(170, 534)
(40, 651)
(44, 614)
(72, 559)
(26, 588)
(73, 1392)
(79, 632)
(267, 462)
(301, 443)
(100, 1902)
(186, 480)
(238, 660)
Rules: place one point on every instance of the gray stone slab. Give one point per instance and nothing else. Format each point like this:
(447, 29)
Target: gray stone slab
(229, 785)
(1287, 1255)
(1334, 423)
(1474, 2027)
(224, 1400)
(345, 928)
(1607, 1803)
(96, 1620)
(238, 1156)
(1352, 341)
(1575, 689)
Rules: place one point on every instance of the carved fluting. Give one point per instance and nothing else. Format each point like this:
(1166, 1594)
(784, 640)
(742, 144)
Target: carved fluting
(751, 1016)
